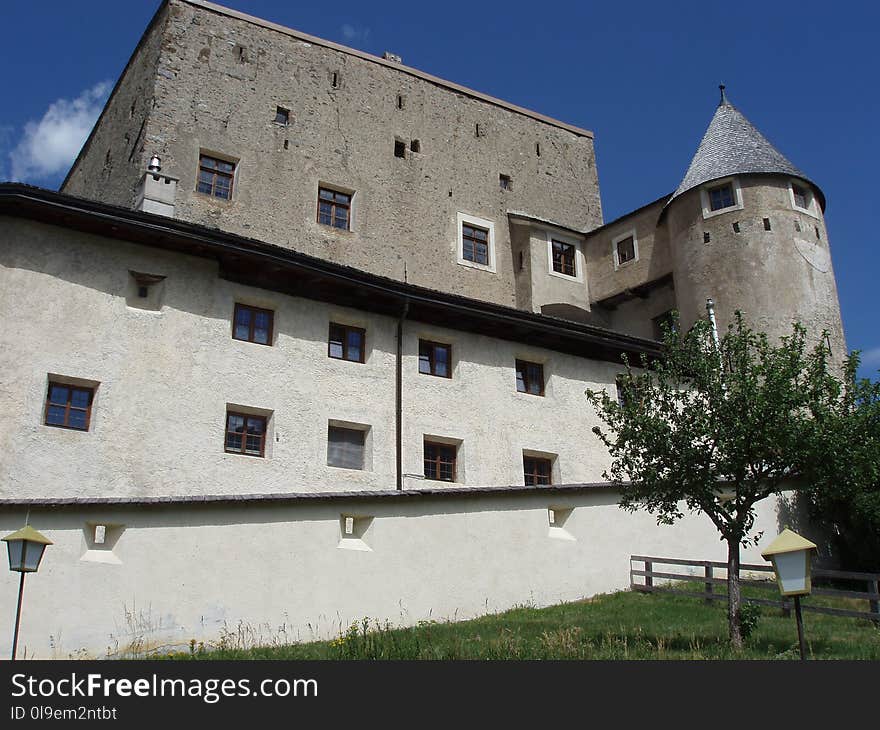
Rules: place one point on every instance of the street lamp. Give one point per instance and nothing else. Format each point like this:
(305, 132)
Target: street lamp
(792, 559)
(26, 549)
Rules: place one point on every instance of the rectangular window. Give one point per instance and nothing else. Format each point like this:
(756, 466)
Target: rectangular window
(721, 197)
(69, 406)
(215, 177)
(245, 434)
(252, 324)
(537, 471)
(334, 209)
(282, 115)
(564, 258)
(529, 377)
(626, 250)
(439, 461)
(435, 359)
(475, 244)
(505, 182)
(346, 343)
(801, 196)
(345, 447)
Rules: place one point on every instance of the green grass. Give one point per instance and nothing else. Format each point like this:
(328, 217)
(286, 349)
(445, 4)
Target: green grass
(616, 626)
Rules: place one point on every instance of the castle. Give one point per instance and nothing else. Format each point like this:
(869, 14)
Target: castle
(308, 333)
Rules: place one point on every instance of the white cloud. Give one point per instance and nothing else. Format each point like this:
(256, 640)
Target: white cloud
(871, 358)
(49, 146)
(355, 33)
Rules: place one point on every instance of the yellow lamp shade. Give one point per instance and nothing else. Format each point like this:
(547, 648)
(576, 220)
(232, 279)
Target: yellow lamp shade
(791, 556)
(25, 548)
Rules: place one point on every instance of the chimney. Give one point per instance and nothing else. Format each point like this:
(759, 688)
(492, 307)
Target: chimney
(156, 190)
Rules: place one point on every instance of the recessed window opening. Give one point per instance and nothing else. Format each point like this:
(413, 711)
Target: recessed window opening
(439, 461)
(766, 224)
(801, 196)
(415, 146)
(736, 227)
(215, 177)
(346, 343)
(818, 235)
(479, 130)
(564, 258)
(706, 237)
(797, 226)
(334, 208)
(286, 144)
(401, 101)
(505, 182)
(475, 244)
(334, 80)
(345, 447)
(69, 406)
(529, 377)
(282, 115)
(537, 149)
(245, 434)
(721, 197)
(537, 471)
(399, 148)
(626, 250)
(252, 324)
(435, 358)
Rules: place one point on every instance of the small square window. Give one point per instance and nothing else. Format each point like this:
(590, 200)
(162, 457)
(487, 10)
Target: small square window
(346, 343)
(435, 359)
(245, 434)
(69, 406)
(440, 461)
(334, 208)
(215, 177)
(721, 197)
(345, 447)
(505, 182)
(252, 324)
(282, 116)
(399, 148)
(564, 258)
(626, 250)
(537, 471)
(529, 377)
(475, 244)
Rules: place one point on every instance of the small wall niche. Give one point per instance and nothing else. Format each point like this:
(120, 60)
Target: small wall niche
(100, 540)
(145, 291)
(557, 516)
(353, 531)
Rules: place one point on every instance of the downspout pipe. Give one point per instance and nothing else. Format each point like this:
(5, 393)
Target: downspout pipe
(399, 396)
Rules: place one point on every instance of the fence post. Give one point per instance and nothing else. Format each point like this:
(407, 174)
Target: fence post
(874, 587)
(649, 580)
(709, 585)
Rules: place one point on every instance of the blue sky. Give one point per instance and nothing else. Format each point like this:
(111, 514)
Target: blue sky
(642, 75)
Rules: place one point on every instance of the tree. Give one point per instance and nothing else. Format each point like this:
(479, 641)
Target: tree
(716, 428)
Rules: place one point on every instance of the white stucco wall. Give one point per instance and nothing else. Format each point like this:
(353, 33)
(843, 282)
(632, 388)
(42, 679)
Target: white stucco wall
(167, 376)
(275, 572)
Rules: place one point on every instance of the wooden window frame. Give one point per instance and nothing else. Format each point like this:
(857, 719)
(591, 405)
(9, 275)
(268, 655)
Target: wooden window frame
(67, 406)
(566, 259)
(335, 205)
(718, 188)
(253, 311)
(215, 174)
(522, 366)
(472, 241)
(632, 257)
(534, 462)
(244, 434)
(432, 360)
(346, 329)
(441, 449)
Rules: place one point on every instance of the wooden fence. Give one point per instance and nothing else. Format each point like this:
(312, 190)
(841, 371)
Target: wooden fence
(710, 581)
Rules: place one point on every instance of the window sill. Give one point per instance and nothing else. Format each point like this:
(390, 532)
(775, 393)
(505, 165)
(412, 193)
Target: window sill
(479, 267)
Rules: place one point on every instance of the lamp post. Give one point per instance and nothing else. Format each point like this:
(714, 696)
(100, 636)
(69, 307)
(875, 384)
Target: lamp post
(25, 549)
(792, 559)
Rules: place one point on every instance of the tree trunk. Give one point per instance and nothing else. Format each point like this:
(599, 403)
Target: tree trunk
(733, 596)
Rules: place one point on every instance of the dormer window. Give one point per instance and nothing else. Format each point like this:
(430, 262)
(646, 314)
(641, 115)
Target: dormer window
(802, 199)
(721, 197)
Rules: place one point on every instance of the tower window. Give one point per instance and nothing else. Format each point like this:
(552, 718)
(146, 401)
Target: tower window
(415, 146)
(766, 224)
(721, 197)
(282, 115)
(505, 182)
(706, 237)
(801, 196)
(736, 227)
(401, 101)
(399, 148)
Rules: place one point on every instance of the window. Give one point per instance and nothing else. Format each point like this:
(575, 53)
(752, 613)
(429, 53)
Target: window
(215, 177)
(69, 406)
(505, 182)
(345, 447)
(802, 199)
(415, 146)
(664, 322)
(334, 208)
(801, 196)
(399, 148)
(435, 359)
(245, 434)
(529, 377)
(439, 461)
(252, 325)
(282, 115)
(564, 258)
(625, 248)
(346, 343)
(475, 244)
(721, 197)
(537, 471)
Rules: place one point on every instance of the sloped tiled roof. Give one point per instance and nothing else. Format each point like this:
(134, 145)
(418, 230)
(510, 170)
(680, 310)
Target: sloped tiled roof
(732, 146)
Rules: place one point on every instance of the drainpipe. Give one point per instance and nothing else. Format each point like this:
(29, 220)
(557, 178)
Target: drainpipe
(710, 309)
(399, 395)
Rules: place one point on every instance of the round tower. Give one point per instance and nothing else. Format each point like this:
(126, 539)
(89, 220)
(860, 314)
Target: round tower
(746, 229)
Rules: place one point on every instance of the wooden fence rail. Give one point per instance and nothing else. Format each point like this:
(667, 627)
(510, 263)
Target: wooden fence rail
(710, 580)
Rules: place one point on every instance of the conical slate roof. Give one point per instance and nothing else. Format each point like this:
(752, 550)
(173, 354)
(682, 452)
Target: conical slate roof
(732, 146)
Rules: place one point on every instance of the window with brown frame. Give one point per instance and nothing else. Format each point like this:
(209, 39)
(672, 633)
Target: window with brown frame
(529, 377)
(245, 434)
(626, 250)
(564, 258)
(69, 406)
(252, 324)
(346, 343)
(334, 208)
(215, 177)
(439, 461)
(537, 471)
(475, 244)
(435, 359)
